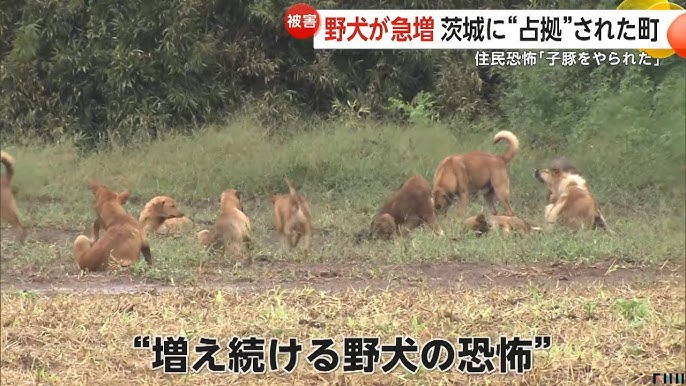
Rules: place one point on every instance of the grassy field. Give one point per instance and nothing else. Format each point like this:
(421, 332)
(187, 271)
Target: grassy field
(614, 304)
(346, 173)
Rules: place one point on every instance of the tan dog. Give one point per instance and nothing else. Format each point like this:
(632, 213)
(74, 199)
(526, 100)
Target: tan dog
(232, 228)
(123, 241)
(161, 215)
(292, 218)
(571, 203)
(408, 208)
(459, 176)
(481, 224)
(566, 165)
(107, 205)
(8, 205)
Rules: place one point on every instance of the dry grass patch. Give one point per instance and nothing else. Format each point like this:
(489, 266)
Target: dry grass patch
(601, 335)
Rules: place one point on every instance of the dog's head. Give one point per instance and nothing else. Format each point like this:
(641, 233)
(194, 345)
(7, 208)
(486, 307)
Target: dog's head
(163, 207)
(564, 165)
(442, 200)
(479, 224)
(549, 177)
(383, 227)
(230, 199)
(103, 194)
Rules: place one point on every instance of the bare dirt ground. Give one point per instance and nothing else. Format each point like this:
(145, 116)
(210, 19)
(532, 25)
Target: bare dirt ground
(341, 277)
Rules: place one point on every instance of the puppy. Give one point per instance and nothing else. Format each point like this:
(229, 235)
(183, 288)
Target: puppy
(292, 218)
(408, 208)
(571, 203)
(459, 176)
(231, 230)
(481, 224)
(161, 215)
(566, 165)
(8, 205)
(124, 238)
(107, 205)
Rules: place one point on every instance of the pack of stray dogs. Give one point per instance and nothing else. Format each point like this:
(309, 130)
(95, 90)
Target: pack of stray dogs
(458, 177)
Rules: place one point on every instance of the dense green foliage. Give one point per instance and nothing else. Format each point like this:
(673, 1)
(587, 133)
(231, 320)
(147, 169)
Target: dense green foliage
(106, 70)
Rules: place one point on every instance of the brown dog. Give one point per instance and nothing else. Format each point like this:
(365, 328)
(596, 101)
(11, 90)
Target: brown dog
(8, 205)
(408, 208)
(459, 176)
(481, 224)
(107, 205)
(566, 165)
(161, 215)
(123, 241)
(292, 218)
(570, 203)
(232, 228)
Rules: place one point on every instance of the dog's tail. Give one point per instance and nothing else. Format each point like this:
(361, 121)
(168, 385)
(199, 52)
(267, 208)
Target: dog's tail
(512, 140)
(291, 188)
(8, 161)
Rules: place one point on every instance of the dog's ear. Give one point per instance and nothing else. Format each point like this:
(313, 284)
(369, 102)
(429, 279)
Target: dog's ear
(123, 196)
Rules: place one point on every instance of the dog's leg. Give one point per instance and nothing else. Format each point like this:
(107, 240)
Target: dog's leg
(552, 212)
(145, 250)
(292, 236)
(295, 238)
(13, 218)
(307, 235)
(96, 228)
(436, 227)
(285, 243)
(490, 196)
(462, 203)
(503, 195)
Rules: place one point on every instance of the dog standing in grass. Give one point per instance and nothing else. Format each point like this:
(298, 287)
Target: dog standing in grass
(123, 240)
(8, 205)
(161, 215)
(408, 208)
(231, 232)
(459, 176)
(292, 218)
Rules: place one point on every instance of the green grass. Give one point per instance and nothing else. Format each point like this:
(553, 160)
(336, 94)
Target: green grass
(346, 171)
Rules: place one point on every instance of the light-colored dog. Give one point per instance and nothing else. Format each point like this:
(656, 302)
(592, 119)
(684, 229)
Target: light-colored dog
(232, 232)
(161, 215)
(408, 208)
(123, 241)
(8, 205)
(571, 204)
(566, 165)
(292, 218)
(482, 223)
(459, 176)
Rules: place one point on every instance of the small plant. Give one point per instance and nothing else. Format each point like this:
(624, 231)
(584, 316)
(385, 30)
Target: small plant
(419, 110)
(589, 307)
(635, 311)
